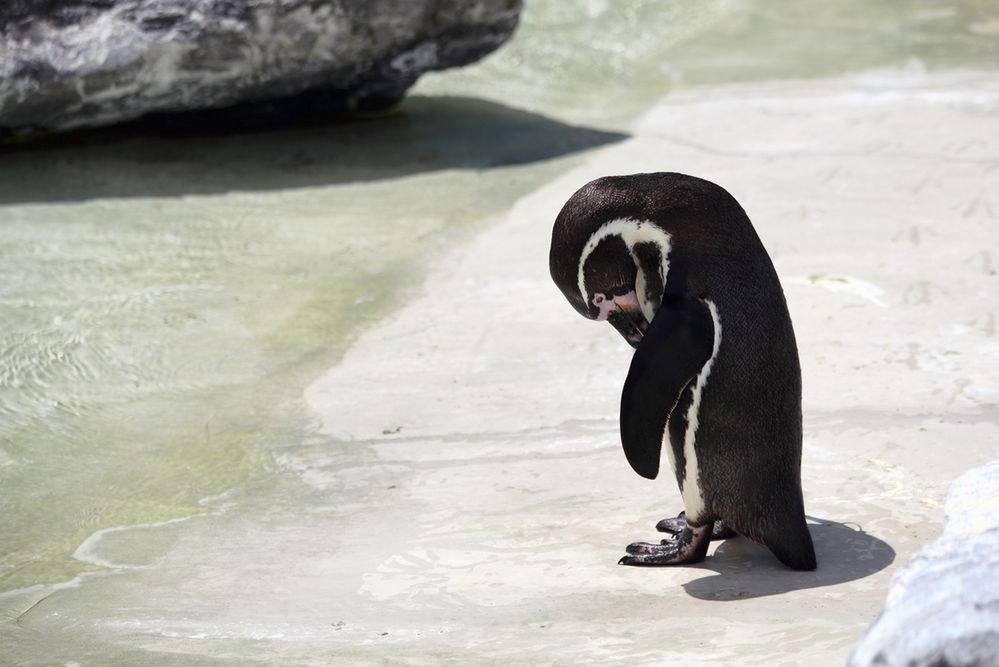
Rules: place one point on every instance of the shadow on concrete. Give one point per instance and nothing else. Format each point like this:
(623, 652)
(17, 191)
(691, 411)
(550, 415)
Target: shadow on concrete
(166, 156)
(746, 570)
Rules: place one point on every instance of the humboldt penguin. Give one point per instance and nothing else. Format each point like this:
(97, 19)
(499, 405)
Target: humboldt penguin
(673, 263)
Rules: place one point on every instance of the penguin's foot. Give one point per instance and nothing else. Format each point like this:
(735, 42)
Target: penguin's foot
(675, 526)
(690, 546)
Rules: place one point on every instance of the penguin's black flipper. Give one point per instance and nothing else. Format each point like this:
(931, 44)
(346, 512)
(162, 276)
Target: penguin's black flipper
(677, 344)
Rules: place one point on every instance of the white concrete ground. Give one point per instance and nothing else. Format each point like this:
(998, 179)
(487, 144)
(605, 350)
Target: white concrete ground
(876, 197)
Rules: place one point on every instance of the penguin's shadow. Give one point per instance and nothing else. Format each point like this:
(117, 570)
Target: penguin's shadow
(746, 570)
(203, 153)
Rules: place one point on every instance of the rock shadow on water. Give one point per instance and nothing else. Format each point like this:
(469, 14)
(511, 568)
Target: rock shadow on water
(746, 570)
(175, 155)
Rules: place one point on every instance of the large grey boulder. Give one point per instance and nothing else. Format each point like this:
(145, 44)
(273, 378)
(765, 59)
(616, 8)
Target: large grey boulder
(72, 63)
(943, 606)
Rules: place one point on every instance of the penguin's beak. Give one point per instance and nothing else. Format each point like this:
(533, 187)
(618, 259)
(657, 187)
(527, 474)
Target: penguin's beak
(630, 323)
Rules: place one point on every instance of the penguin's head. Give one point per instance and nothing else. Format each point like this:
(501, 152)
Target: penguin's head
(609, 264)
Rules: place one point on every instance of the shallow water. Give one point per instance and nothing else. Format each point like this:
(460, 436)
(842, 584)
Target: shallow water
(164, 300)
(162, 317)
(602, 62)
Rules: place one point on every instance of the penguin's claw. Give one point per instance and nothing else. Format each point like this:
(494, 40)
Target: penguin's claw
(690, 546)
(648, 549)
(675, 526)
(647, 561)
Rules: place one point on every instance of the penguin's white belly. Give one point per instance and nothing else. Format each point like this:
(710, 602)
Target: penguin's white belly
(690, 490)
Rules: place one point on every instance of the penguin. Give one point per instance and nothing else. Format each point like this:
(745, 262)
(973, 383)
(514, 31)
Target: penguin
(673, 263)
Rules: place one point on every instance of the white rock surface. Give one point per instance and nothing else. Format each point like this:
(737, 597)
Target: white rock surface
(943, 606)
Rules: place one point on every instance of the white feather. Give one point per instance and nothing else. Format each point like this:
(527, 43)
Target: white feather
(693, 499)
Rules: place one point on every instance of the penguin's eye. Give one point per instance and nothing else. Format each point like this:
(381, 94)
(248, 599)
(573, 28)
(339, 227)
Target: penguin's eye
(598, 299)
(621, 290)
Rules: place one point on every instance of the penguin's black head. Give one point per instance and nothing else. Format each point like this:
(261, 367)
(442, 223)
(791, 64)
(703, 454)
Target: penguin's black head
(609, 284)
(609, 264)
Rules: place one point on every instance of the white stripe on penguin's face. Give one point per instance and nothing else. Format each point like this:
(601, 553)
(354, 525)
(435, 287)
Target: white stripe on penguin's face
(632, 232)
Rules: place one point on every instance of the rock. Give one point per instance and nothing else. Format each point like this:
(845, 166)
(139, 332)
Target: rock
(943, 606)
(73, 63)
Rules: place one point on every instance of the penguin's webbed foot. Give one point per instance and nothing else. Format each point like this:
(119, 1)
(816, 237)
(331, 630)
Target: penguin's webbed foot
(690, 546)
(675, 526)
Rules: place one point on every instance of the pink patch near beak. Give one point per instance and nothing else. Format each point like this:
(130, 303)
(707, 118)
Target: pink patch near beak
(606, 306)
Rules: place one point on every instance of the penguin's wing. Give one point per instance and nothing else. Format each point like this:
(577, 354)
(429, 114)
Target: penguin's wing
(674, 349)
